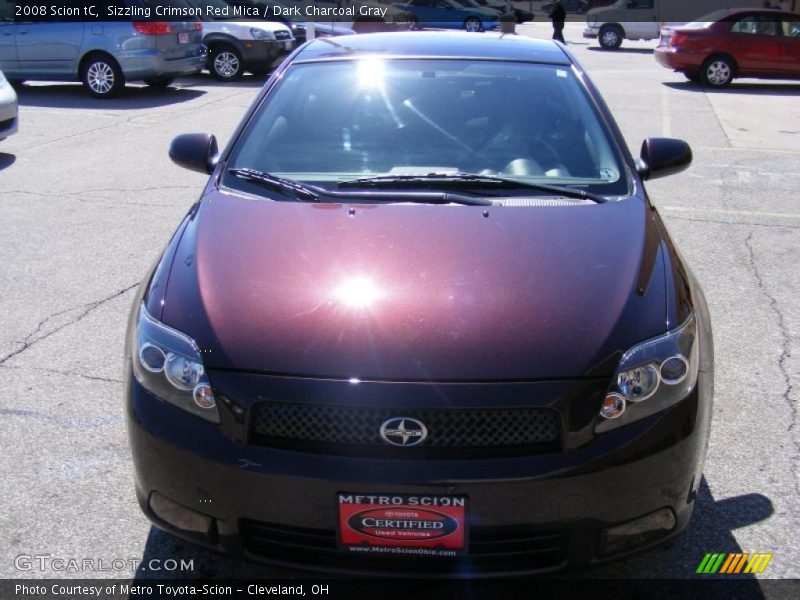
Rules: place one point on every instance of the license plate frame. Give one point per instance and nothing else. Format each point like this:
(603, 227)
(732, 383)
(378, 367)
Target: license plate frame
(402, 525)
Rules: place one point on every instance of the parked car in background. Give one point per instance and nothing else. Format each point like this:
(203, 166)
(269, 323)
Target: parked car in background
(522, 15)
(102, 55)
(734, 43)
(9, 118)
(643, 19)
(450, 14)
(321, 30)
(236, 46)
(297, 24)
(395, 19)
(422, 319)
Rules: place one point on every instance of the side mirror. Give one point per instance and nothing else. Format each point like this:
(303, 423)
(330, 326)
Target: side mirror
(195, 151)
(663, 156)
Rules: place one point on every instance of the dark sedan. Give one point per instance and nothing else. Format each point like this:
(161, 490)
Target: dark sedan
(734, 43)
(446, 333)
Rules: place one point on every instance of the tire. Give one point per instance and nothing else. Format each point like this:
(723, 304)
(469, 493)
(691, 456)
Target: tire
(693, 77)
(225, 63)
(610, 37)
(473, 24)
(101, 76)
(159, 82)
(717, 71)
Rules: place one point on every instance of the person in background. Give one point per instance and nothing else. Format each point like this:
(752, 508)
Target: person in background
(559, 17)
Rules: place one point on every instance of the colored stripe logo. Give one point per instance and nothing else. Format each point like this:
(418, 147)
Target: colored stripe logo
(731, 563)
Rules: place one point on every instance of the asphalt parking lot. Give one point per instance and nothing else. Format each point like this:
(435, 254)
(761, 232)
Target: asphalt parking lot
(88, 198)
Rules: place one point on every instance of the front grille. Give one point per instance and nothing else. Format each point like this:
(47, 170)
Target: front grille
(491, 549)
(451, 432)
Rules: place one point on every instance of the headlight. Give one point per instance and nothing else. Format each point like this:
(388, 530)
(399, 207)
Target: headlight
(260, 34)
(168, 364)
(652, 376)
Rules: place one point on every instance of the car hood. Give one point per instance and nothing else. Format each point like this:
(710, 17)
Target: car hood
(415, 292)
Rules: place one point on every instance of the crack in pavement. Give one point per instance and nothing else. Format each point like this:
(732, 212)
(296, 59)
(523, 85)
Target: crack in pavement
(785, 353)
(31, 339)
(76, 423)
(669, 217)
(57, 372)
(72, 135)
(77, 196)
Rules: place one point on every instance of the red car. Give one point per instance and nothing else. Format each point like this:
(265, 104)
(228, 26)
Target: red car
(734, 43)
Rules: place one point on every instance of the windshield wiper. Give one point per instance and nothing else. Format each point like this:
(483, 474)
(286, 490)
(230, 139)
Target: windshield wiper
(307, 193)
(287, 187)
(468, 180)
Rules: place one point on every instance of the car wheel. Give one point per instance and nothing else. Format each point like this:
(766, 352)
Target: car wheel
(610, 37)
(102, 76)
(717, 71)
(225, 63)
(159, 82)
(473, 24)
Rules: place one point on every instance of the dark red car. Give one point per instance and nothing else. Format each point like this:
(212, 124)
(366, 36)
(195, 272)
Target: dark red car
(734, 43)
(423, 320)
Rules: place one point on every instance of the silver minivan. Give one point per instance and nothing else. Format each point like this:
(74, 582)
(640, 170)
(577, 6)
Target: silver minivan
(101, 54)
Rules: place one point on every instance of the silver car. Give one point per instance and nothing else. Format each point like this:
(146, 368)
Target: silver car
(8, 108)
(103, 55)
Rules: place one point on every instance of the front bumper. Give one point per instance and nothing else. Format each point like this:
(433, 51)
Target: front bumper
(264, 54)
(527, 514)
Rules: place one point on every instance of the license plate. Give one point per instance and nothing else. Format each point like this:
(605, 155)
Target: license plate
(416, 526)
(183, 38)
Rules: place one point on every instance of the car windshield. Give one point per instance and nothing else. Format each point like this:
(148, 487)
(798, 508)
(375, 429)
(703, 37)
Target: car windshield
(329, 122)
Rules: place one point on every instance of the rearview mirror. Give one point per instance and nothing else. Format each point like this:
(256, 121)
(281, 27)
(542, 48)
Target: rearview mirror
(663, 156)
(195, 151)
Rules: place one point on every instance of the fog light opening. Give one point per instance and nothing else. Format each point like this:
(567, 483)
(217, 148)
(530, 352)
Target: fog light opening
(639, 532)
(613, 406)
(179, 516)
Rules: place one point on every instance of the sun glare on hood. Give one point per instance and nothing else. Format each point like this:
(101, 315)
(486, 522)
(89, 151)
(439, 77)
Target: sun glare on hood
(358, 292)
